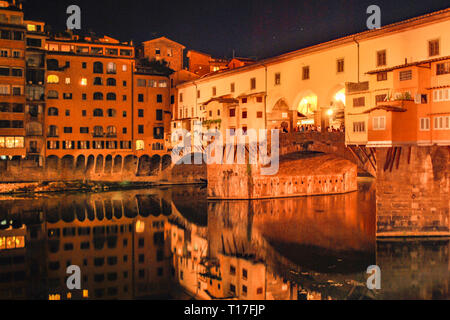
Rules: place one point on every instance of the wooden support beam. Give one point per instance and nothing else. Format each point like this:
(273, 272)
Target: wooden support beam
(398, 157)
(388, 159)
(368, 157)
(393, 159)
(409, 154)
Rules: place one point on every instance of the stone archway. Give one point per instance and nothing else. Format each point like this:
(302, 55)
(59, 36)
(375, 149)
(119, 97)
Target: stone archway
(80, 164)
(99, 164)
(90, 164)
(117, 167)
(52, 163)
(166, 162)
(67, 163)
(155, 165)
(130, 164)
(144, 166)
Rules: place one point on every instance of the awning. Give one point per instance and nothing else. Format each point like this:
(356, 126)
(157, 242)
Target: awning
(383, 107)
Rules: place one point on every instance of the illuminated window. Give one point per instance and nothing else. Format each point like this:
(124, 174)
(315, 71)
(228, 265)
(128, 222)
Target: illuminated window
(31, 27)
(140, 145)
(84, 82)
(52, 79)
(67, 80)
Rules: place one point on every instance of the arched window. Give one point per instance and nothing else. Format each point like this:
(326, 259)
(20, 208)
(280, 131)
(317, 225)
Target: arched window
(111, 131)
(111, 82)
(98, 96)
(111, 112)
(111, 69)
(52, 131)
(98, 81)
(52, 79)
(111, 96)
(98, 113)
(52, 111)
(98, 131)
(52, 94)
(52, 64)
(98, 67)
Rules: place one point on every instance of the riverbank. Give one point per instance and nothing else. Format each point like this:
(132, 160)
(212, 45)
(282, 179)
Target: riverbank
(21, 188)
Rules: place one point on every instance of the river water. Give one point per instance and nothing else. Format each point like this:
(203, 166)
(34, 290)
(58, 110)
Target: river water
(171, 243)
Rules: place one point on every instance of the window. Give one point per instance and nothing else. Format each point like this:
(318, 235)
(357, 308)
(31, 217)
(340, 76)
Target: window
(98, 96)
(67, 129)
(98, 67)
(340, 65)
(441, 95)
(84, 129)
(140, 129)
(158, 133)
(442, 123)
(359, 102)
(111, 96)
(98, 81)
(305, 73)
(277, 78)
(141, 83)
(214, 91)
(380, 98)
(381, 76)
(232, 288)
(52, 111)
(198, 94)
(98, 113)
(252, 83)
(111, 113)
(359, 126)
(244, 114)
(232, 87)
(244, 274)
(157, 51)
(159, 98)
(433, 48)
(232, 113)
(381, 58)
(159, 115)
(169, 52)
(140, 97)
(232, 270)
(244, 290)
(181, 97)
(424, 124)
(83, 65)
(140, 113)
(111, 82)
(67, 113)
(52, 131)
(244, 100)
(67, 96)
(52, 79)
(405, 75)
(443, 68)
(259, 114)
(67, 81)
(379, 123)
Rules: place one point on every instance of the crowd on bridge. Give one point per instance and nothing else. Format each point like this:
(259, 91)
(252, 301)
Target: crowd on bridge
(314, 128)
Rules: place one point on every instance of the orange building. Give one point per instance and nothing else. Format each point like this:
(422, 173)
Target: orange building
(415, 110)
(164, 49)
(101, 106)
(12, 82)
(202, 63)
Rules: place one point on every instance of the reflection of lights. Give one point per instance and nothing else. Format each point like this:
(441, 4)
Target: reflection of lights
(140, 225)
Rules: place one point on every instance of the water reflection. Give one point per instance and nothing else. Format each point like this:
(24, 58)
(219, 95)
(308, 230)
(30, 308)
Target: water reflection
(172, 243)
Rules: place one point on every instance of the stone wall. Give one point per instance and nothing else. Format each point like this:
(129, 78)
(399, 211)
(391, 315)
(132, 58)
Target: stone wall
(297, 176)
(413, 186)
(326, 142)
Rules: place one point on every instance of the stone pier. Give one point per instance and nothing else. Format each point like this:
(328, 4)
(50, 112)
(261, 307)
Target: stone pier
(413, 186)
(298, 175)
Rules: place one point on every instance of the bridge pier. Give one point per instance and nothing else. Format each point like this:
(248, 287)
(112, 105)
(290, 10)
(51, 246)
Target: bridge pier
(413, 187)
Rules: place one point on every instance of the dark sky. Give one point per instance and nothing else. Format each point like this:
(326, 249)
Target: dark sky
(254, 28)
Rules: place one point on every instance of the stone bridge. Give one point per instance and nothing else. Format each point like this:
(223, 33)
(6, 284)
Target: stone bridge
(330, 143)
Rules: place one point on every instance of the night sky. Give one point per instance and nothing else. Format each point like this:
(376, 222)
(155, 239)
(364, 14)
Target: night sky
(253, 28)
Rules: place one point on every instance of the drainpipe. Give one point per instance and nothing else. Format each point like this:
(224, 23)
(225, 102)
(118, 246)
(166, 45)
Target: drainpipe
(357, 43)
